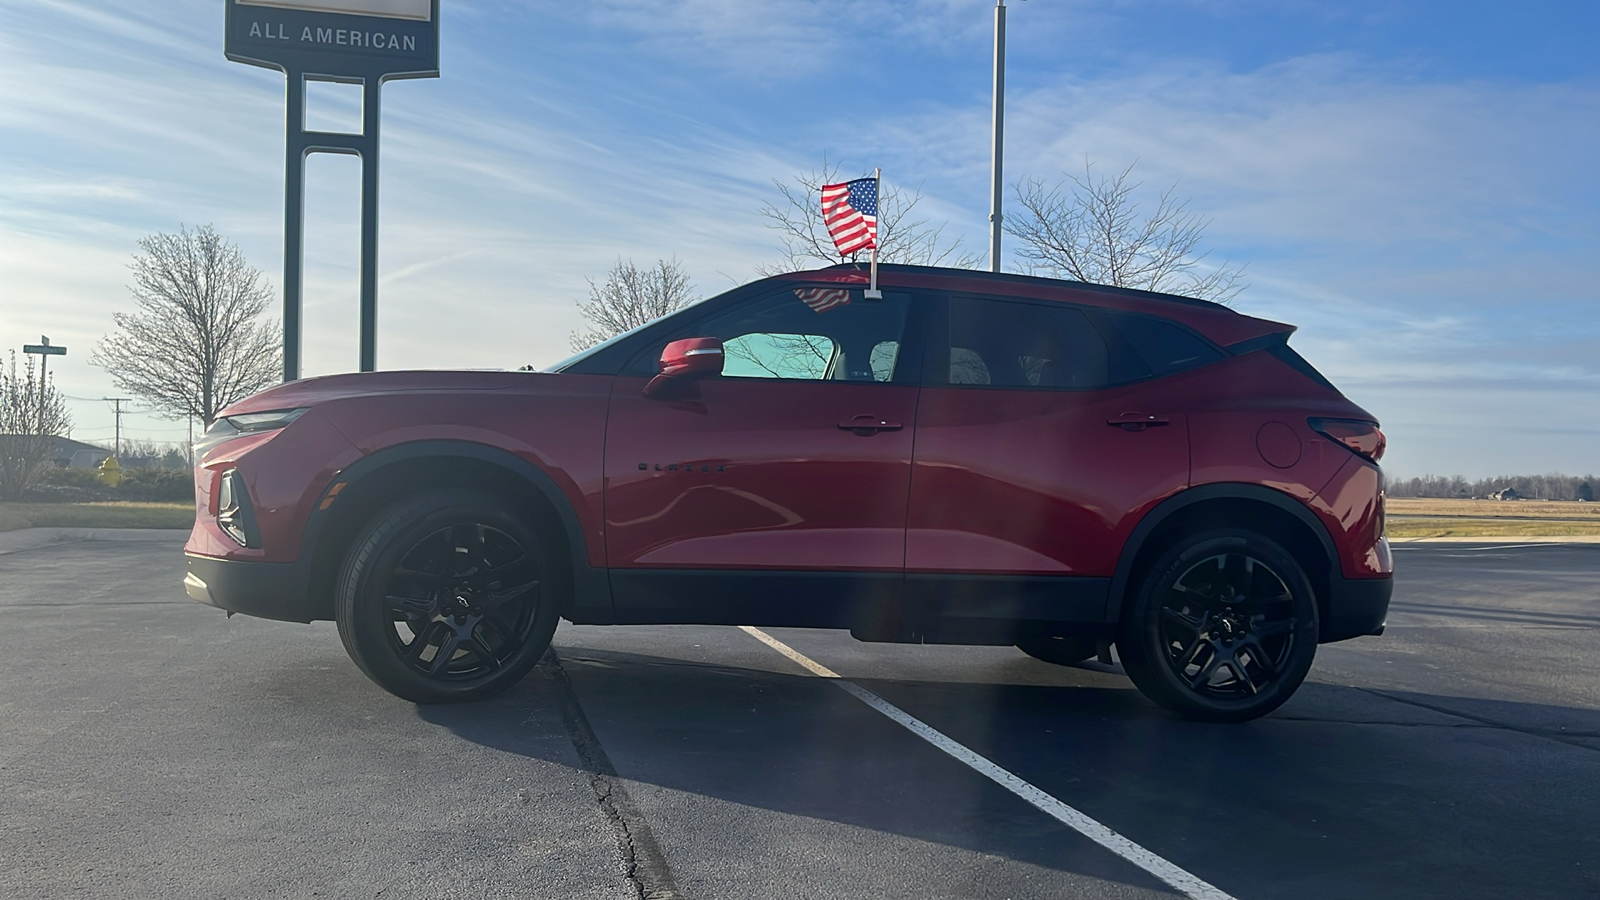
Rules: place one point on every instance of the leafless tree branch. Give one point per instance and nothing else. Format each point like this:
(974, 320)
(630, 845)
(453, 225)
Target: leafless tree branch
(195, 344)
(1090, 229)
(630, 297)
(32, 412)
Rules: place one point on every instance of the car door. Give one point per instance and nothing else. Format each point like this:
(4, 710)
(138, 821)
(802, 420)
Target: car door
(775, 492)
(1031, 467)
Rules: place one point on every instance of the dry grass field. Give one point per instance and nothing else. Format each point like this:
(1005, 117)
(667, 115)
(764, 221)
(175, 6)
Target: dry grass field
(1423, 518)
(1494, 509)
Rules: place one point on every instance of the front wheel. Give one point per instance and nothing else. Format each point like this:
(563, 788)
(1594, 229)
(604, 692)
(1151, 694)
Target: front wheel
(447, 597)
(1223, 628)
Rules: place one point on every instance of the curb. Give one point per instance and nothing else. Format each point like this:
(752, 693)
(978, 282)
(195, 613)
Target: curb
(34, 538)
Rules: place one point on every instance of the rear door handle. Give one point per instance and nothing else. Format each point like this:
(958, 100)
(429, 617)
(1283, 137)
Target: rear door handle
(1137, 421)
(867, 426)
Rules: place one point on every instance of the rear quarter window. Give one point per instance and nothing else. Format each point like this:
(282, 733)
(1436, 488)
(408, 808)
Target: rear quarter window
(1158, 347)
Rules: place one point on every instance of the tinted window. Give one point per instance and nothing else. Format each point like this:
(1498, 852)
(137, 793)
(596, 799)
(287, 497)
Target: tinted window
(1023, 345)
(803, 333)
(1163, 347)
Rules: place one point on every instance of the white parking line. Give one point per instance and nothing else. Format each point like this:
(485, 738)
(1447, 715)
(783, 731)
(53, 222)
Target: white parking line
(1181, 879)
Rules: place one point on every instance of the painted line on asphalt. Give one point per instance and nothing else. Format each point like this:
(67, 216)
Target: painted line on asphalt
(1179, 878)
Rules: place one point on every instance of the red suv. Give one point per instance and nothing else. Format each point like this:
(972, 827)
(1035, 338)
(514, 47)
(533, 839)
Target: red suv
(962, 457)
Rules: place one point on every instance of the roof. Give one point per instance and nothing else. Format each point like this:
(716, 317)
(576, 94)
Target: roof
(1220, 323)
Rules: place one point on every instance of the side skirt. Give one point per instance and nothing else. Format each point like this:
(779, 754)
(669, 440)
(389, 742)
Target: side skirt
(933, 608)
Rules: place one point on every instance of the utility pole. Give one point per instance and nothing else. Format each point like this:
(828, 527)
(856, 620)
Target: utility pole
(117, 452)
(997, 188)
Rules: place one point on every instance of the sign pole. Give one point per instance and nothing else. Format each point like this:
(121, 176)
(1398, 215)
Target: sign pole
(294, 200)
(369, 225)
(44, 350)
(351, 41)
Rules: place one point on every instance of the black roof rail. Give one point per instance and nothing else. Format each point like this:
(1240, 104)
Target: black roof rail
(1034, 279)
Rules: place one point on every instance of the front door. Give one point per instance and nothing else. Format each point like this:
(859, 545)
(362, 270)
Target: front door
(775, 493)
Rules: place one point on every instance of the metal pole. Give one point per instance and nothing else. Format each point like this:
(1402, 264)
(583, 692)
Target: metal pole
(999, 130)
(369, 225)
(877, 188)
(294, 196)
(44, 364)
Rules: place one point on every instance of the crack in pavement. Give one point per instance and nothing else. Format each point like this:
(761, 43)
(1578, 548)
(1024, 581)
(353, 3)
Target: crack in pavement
(644, 864)
(1564, 737)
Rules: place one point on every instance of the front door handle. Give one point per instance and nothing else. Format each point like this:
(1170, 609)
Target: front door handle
(867, 426)
(1137, 421)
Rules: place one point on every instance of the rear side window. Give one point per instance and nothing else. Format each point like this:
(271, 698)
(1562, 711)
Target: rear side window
(1001, 343)
(1159, 347)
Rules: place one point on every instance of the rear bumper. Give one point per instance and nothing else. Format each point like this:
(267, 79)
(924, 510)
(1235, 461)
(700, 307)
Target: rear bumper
(1356, 607)
(263, 589)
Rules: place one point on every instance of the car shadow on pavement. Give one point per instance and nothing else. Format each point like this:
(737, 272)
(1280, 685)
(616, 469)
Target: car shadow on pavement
(1371, 781)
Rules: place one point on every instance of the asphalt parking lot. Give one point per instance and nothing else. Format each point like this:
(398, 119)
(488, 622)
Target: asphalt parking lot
(153, 747)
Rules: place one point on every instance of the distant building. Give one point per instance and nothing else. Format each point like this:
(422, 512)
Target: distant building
(1506, 494)
(68, 453)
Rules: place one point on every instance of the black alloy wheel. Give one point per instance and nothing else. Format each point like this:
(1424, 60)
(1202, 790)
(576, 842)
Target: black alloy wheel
(445, 598)
(1224, 629)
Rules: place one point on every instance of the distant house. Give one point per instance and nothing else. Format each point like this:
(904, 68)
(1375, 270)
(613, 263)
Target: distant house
(69, 453)
(1506, 494)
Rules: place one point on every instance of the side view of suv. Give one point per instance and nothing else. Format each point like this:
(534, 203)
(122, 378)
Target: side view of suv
(963, 458)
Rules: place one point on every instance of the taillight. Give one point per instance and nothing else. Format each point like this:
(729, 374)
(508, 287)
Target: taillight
(1362, 437)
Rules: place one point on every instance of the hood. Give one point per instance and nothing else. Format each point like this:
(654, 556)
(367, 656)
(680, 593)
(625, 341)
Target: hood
(312, 391)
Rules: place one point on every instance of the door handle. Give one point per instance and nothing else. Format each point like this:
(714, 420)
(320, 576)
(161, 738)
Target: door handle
(1137, 421)
(867, 426)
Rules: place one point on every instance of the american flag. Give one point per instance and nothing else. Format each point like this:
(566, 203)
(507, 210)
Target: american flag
(823, 299)
(850, 211)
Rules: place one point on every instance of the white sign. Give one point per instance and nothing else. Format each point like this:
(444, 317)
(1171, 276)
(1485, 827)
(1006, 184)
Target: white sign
(421, 10)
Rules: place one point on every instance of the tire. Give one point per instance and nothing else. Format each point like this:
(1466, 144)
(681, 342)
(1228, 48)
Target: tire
(1222, 629)
(447, 597)
(1062, 650)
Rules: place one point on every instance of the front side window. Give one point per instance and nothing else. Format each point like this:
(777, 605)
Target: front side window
(805, 333)
(999, 343)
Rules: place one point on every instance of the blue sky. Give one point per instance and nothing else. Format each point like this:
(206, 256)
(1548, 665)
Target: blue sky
(1414, 184)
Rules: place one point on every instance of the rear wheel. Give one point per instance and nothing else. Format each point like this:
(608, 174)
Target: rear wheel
(446, 597)
(1223, 628)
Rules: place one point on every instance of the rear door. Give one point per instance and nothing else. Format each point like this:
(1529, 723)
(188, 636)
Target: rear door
(1031, 465)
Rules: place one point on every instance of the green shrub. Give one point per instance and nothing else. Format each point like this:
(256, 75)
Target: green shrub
(160, 485)
(149, 485)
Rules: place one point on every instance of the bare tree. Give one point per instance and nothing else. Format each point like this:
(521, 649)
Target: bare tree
(1090, 229)
(630, 297)
(901, 237)
(195, 344)
(32, 414)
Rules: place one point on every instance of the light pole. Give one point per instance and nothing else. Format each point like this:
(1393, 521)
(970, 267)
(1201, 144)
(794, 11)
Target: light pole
(999, 132)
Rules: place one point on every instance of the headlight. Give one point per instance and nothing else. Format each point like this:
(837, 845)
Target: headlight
(226, 427)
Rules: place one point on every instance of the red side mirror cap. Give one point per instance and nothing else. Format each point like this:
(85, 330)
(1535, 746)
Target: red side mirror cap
(682, 361)
(692, 356)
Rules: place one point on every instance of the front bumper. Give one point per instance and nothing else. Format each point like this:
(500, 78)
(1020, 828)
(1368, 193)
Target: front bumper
(264, 589)
(1356, 607)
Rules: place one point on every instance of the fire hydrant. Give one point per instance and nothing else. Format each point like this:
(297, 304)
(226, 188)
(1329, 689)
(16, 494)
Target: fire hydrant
(110, 473)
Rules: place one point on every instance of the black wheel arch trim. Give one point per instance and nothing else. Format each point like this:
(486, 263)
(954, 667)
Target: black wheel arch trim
(591, 587)
(1121, 578)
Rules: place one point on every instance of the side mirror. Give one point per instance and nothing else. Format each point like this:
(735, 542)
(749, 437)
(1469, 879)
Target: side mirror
(686, 359)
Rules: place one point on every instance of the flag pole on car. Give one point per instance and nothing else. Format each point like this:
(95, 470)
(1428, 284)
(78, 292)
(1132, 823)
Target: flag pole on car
(872, 288)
